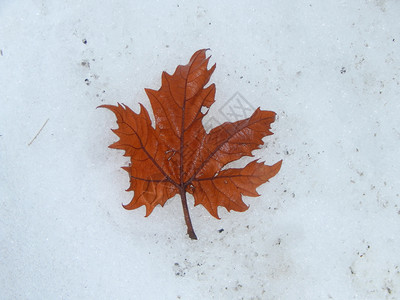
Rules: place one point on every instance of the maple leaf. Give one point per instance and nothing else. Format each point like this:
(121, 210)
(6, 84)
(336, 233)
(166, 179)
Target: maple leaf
(177, 156)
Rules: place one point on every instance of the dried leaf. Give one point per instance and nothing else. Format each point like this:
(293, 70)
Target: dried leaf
(177, 156)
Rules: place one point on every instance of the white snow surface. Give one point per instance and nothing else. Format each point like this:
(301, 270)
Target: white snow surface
(325, 227)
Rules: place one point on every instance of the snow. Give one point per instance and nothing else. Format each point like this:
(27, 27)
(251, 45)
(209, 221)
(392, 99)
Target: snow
(326, 227)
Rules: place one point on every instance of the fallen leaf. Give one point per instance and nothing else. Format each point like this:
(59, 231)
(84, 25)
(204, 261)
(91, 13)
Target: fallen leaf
(177, 156)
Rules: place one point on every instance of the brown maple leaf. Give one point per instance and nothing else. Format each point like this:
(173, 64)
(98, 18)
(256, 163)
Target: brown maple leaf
(179, 157)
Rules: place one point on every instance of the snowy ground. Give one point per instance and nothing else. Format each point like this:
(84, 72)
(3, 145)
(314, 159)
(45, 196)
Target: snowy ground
(326, 227)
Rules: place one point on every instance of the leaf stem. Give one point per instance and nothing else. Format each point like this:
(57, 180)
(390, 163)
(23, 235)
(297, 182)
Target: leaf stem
(190, 230)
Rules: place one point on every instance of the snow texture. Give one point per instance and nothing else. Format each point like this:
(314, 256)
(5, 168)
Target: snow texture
(326, 227)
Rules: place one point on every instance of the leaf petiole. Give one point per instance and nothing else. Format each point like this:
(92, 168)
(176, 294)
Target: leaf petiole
(189, 225)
